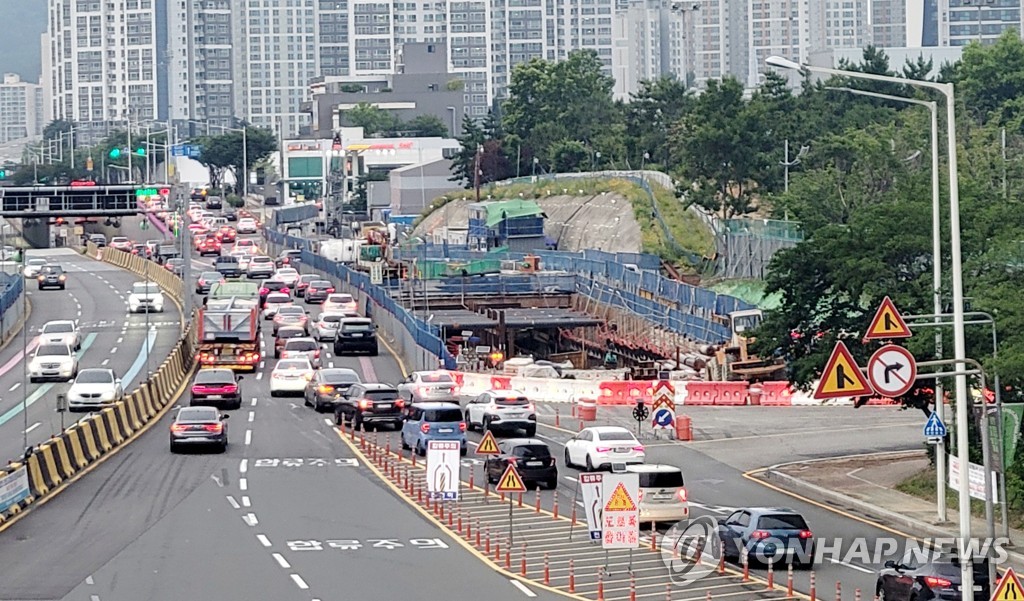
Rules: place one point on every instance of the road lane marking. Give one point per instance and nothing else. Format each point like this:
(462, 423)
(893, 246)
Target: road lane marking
(140, 361)
(259, 376)
(243, 465)
(120, 340)
(89, 580)
(246, 502)
(233, 502)
(299, 582)
(250, 519)
(33, 427)
(113, 350)
(850, 565)
(263, 540)
(330, 364)
(254, 401)
(366, 366)
(281, 561)
(105, 361)
(248, 437)
(522, 587)
(252, 416)
(243, 483)
(15, 387)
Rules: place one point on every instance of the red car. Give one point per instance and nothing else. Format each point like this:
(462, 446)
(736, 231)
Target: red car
(226, 234)
(209, 246)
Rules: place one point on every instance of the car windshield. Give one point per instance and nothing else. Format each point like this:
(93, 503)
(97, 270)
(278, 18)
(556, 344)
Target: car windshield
(307, 278)
(145, 288)
(198, 414)
(673, 479)
(443, 415)
(284, 333)
(342, 298)
(321, 284)
(287, 364)
(301, 345)
(381, 395)
(215, 376)
(436, 378)
(52, 269)
(50, 350)
(287, 272)
(261, 259)
(295, 311)
(338, 376)
(781, 521)
(357, 327)
(616, 436)
(94, 376)
(531, 451)
(58, 328)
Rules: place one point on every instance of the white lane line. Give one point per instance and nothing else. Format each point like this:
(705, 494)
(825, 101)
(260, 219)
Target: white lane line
(243, 483)
(281, 561)
(259, 376)
(522, 587)
(243, 466)
(79, 313)
(94, 598)
(120, 340)
(850, 565)
(330, 364)
(263, 540)
(570, 478)
(328, 422)
(105, 361)
(252, 416)
(15, 387)
(475, 444)
(246, 502)
(33, 427)
(250, 519)
(113, 350)
(233, 502)
(248, 437)
(299, 582)
(254, 401)
(263, 364)
(89, 580)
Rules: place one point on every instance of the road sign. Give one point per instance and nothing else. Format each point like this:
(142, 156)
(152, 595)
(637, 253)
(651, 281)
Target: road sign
(892, 370)
(887, 323)
(663, 418)
(593, 502)
(640, 412)
(934, 428)
(664, 406)
(842, 377)
(620, 525)
(443, 469)
(488, 446)
(510, 481)
(1009, 588)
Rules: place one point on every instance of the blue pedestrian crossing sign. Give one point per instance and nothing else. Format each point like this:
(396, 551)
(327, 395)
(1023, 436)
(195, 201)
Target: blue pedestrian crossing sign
(934, 428)
(664, 418)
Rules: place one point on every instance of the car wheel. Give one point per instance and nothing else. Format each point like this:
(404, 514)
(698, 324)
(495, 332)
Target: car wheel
(531, 431)
(420, 450)
(317, 406)
(357, 422)
(374, 353)
(224, 447)
(274, 393)
(568, 460)
(590, 464)
(405, 445)
(305, 400)
(469, 423)
(339, 418)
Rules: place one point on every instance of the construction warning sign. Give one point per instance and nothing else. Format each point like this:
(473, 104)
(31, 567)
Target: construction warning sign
(620, 519)
(888, 323)
(488, 446)
(842, 377)
(620, 500)
(1009, 588)
(510, 481)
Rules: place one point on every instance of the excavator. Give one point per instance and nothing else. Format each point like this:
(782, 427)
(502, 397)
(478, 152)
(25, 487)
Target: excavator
(732, 362)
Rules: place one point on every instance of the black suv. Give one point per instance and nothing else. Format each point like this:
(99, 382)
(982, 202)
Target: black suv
(370, 404)
(356, 334)
(52, 276)
(288, 258)
(228, 266)
(213, 202)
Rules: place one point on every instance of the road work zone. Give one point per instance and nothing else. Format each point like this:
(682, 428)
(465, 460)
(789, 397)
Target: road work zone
(554, 551)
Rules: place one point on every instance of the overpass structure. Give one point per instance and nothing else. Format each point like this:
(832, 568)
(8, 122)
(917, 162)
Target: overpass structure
(68, 201)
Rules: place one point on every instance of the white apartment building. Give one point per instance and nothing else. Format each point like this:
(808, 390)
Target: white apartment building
(963, 21)
(105, 63)
(202, 85)
(889, 23)
(21, 109)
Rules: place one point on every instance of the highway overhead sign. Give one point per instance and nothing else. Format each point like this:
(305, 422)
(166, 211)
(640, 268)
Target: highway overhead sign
(620, 525)
(1009, 588)
(934, 428)
(887, 323)
(842, 377)
(510, 481)
(488, 446)
(892, 371)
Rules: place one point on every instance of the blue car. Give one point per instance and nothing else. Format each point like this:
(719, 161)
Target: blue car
(768, 535)
(432, 421)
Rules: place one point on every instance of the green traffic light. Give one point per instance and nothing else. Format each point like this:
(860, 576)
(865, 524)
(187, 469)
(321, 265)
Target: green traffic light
(115, 153)
(140, 151)
(3, 174)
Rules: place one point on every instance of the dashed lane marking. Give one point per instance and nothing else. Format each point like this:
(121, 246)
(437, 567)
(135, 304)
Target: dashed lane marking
(263, 540)
(281, 561)
(243, 484)
(248, 437)
(233, 502)
(299, 582)
(252, 416)
(522, 587)
(246, 502)
(243, 465)
(250, 519)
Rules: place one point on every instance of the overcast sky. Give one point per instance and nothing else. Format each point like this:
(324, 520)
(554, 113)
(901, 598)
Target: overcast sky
(21, 23)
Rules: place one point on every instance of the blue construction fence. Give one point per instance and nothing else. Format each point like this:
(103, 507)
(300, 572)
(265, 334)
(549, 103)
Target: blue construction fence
(11, 287)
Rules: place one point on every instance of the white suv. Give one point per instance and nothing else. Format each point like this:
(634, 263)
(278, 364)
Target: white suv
(53, 362)
(507, 410)
(63, 331)
(662, 493)
(260, 267)
(145, 297)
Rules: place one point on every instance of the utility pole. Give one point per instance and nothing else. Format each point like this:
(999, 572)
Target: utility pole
(476, 171)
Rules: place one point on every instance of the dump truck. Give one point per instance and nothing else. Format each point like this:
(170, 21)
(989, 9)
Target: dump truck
(732, 361)
(229, 333)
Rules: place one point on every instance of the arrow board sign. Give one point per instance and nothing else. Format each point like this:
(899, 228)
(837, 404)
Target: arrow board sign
(892, 371)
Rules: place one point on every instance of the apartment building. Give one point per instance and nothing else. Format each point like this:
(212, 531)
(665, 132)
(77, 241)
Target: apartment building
(201, 49)
(889, 23)
(960, 22)
(21, 109)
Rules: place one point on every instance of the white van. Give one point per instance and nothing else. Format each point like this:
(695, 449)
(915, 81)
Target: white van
(662, 493)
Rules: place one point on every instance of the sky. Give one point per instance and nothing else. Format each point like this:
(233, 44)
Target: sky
(21, 23)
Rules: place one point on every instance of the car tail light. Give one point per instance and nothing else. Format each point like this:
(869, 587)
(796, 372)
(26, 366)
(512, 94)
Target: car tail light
(231, 388)
(529, 407)
(264, 291)
(364, 404)
(936, 582)
(806, 534)
(603, 449)
(324, 389)
(285, 290)
(178, 428)
(213, 427)
(399, 403)
(462, 426)
(284, 260)
(681, 494)
(316, 354)
(759, 534)
(639, 448)
(425, 428)
(330, 290)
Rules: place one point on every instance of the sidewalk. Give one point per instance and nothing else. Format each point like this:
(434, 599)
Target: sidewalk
(864, 485)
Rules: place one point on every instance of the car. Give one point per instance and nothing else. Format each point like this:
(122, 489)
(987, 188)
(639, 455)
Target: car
(428, 386)
(195, 426)
(328, 386)
(175, 266)
(598, 447)
(272, 285)
(216, 387)
(207, 279)
(214, 202)
(144, 297)
(501, 410)
(304, 281)
(51, 275)
(325, 327)
(94, 388)
(229, 213)
(165, 252)
(140, 249)
(226, 234)
(290, 376)
(302, 346)
(121, 243)
(62, 331)
(260, 267)
(923, 574)
(247, 245)
(246, 225)
(288, 257)
(768, 534)
(195, 196)
(369, 405)
(339, 301)
(271, 201)
(228, 266)
(33, 266)
(273, 302)
(243, 260)
(209, 245)
(291, 316)
(53, 362)
(662, 493)
(317, 292)
(98, 239)
(288, 275)
(532, 459)
(356, 334)
(153, 246)
(283, 335)
(432, 421)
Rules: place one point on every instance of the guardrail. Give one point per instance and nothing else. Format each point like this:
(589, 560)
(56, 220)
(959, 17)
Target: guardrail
(52, 465)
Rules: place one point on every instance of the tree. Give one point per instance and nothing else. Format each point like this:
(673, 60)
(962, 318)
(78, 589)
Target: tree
(426, 126)
(919, 69)
(987, 77)
(649, 114)
(223, 152)
(568, 155)
(372, 119)
(55, 128)
(473, 137)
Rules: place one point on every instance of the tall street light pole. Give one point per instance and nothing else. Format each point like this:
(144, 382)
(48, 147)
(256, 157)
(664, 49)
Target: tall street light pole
(959, 340)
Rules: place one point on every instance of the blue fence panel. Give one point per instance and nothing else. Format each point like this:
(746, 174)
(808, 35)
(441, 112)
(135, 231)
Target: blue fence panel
(13, 285)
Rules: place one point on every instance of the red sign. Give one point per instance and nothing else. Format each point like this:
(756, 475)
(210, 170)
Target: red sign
(82, 183)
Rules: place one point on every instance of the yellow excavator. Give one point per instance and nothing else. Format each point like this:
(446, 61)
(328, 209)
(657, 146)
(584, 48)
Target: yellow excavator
(732, 362)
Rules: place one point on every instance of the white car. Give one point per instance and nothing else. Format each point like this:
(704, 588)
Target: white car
(601, 446)
(121, 243)
(326, 325)
(248, 246)
(290, 376)
(33, 266)
(63, 331)
(288, 275)
(276, 300)
(144, 297)
(53, 362)
(260, 267)
(339, 302)
(246, 225)
(94, 388)
(243, 259)
(507, 410)
(428, 386)
(301, 346)
(662, 493)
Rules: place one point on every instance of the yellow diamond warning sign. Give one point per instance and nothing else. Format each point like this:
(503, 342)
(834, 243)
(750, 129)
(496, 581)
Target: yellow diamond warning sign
(1009, 588)
(488, 446)
(620, 500)
(842, 377)
(510, 481)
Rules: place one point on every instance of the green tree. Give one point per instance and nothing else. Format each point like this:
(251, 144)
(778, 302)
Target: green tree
(223, 152)
(472, 138)
(426, 126)
(55, 128)
(987, 77)
(372, 119)
(919, 68)
(649, 114)
(568, 156)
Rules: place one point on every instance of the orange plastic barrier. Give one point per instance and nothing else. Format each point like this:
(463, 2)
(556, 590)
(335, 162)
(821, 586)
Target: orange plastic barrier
(776, 394)
(501, 382)
(624, 392)
(731, 393)
(883, 401)
(701, 393)
(587, 410)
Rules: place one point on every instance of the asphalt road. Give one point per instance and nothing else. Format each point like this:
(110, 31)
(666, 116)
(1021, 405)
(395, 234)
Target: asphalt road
(96, 296)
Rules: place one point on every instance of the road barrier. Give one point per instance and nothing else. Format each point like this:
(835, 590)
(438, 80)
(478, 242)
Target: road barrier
(47, 467)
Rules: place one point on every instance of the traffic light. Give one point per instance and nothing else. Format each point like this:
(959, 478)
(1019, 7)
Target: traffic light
(3, 174)
(140, 151)
(115, 153)
(60, 221)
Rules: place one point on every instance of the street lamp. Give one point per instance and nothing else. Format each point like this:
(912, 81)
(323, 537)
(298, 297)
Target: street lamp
(959, 341)
(786, 163)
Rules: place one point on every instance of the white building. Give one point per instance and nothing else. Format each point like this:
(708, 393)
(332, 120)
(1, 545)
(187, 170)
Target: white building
(204, 60)
(21, 109)
(963, 21)
(889, 23)
(104, 67)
